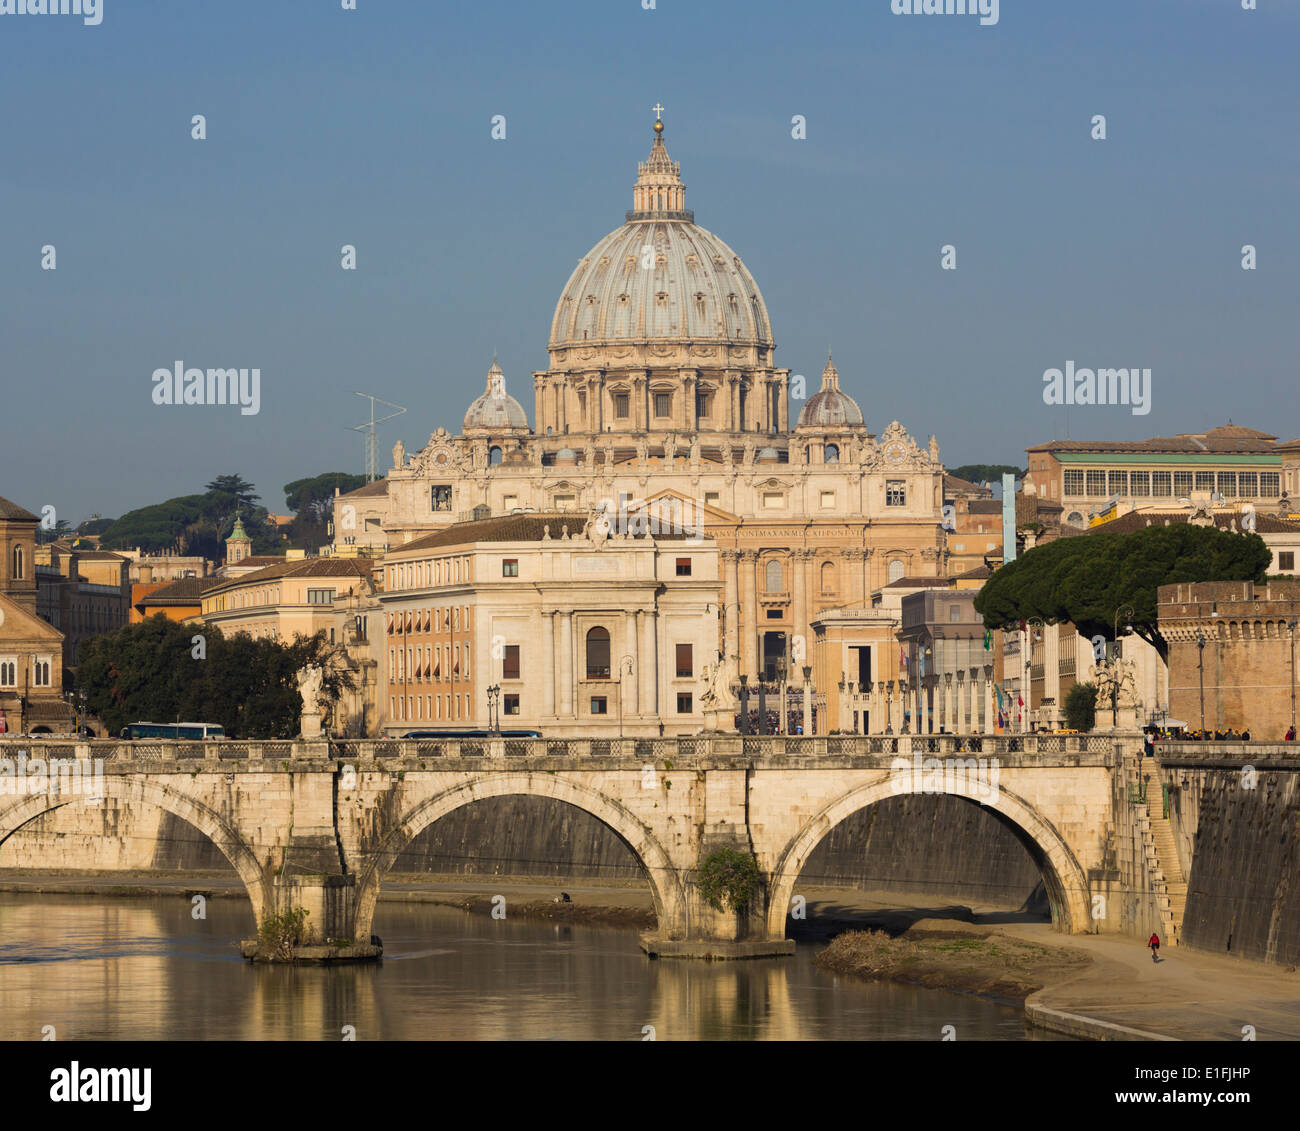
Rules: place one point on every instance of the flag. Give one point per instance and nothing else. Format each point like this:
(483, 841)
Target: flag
(902, 657)
(988, 640)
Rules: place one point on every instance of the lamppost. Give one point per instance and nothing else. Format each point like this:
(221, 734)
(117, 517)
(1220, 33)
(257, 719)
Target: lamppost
(493, 693)
(807, 700)
(744, 703)
(782, 725)
(844, 687)
(1200, 643)
(627, 664)
(1029, 656)
(927, 682)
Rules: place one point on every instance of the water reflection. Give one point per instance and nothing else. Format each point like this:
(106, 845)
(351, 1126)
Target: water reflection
(145, 970)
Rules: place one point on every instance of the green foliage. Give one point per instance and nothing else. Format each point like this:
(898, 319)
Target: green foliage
(1081, 706)
(194, 524)
(62, 528)
(985, 472)
(146, 672)
(1086, 579)
(280, 934)
(729, 878)
(312, 498)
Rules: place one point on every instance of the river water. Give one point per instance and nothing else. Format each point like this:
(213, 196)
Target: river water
(121, 968)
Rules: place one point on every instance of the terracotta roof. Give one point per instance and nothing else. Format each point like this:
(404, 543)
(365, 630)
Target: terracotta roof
(979, 573)
(984, 506)
(1225, 438)
(513, 528)
(920, 583)
(371, 490)
(13, 511)
(298, 567)
(182, 591)
(955, 485)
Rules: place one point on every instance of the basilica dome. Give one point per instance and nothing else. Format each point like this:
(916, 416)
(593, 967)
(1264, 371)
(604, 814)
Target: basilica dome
(496, 410)
(660, 276)
(830, 407)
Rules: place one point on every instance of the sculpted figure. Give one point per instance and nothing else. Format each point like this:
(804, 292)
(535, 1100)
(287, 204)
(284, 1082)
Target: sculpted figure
(399, 455)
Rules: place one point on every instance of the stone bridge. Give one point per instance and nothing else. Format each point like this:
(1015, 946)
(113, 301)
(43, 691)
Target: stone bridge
(319, 824)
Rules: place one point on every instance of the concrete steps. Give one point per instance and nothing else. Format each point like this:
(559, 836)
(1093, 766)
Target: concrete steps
(1166, 851)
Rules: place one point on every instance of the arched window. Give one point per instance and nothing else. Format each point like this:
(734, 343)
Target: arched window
(494, 455)
(832, 453)
(18, 563)
(896, 569)
(828, 577)
(773, 577)
(598, 653)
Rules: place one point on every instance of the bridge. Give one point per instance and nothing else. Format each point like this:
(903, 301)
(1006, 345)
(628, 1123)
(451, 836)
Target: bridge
(318, 824)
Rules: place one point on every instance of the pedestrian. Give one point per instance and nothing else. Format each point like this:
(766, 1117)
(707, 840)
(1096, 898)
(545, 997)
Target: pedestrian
(1290, 734)
(1154, 943)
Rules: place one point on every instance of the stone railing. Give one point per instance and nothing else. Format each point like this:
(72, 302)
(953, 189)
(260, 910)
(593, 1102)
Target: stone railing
(1233, 753)
(720, 746)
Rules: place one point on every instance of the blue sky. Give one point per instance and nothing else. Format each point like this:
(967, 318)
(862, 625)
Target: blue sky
(372, 127)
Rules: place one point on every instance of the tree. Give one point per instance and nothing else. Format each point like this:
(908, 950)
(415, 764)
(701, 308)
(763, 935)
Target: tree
(1087, 579)
(62, 528)
(1081, 706)
(313, 498)
(985, 472)
(148, 672)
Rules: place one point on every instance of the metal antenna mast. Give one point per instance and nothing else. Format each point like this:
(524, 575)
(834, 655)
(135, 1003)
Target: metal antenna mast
(369, 430)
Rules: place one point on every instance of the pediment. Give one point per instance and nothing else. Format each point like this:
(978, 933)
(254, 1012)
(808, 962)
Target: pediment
(18, 624)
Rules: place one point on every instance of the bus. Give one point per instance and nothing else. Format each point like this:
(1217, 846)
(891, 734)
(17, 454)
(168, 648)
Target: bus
(473, 734)
(179, 732)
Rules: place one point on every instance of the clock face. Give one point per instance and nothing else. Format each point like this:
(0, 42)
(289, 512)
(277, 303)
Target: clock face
(894, 452)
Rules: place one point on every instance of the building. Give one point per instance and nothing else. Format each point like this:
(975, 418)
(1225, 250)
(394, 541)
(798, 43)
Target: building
(31, 649)
(584, 630)
(180, 600)
(1240, 465)
(662, 383)
(1232, 654)
(82, 593)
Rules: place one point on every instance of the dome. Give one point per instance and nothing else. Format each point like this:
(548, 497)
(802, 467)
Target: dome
(830, 408)
(660, 276)
(496, 410)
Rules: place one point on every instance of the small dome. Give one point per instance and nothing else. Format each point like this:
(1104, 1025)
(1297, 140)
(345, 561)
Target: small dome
(496, 410)
(830, 407)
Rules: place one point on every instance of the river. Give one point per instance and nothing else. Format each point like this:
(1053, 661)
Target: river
(126, 968)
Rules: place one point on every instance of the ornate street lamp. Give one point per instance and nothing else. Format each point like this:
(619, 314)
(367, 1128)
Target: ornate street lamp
(744, 703)
(493, 693)
(1200, 643)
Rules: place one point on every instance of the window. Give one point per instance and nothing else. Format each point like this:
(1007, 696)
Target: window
(954, 614)
(509, 503)
(1117, 482)
(1205, 481)
(320, 596)
(896, 568)
(564, 502)
(1270, 484)
(510, 567)
(494, 455)
(1139, 483)
(510, 704)
(685, 661)
(684, 704)
(8, 673)
(441, 497)
(895, 493)
(832, 454)
(773, 577)
(1247, 484)
(1226, 481)
(701, 405)
(510, 662)
(18, 563)
(1073, 481)
(1096, 484)
(828, 577)
(1160, 485)
(620, 406)
(663, 404)
(41, 673)
(712, 498)
(773, 500)
(599, 705)
(1286, 559)
(598, 653)
(828, 500)
(683, 567)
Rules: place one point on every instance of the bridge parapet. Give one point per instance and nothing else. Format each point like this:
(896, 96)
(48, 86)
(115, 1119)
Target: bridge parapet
(1232, 755)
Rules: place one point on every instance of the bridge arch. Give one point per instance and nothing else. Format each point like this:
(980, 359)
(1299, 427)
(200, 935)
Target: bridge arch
(141, 790)
(665, 885)
(1063, 877)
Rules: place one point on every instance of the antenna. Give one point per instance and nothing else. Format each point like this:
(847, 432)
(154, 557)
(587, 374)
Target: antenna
(369, 430)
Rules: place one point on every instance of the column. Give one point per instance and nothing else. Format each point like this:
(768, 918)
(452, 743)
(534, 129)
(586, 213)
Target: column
(799, 565)
(973, 684)
(734, 383)
(783, 424)
(807, 708)
(959, 722)
(947, 702)
(632, 700)
(548, 649)
(731, 595)
(928, 696)
(749, 614)
(643, 627)
(564, 667)
(866, 578)
(990, 719)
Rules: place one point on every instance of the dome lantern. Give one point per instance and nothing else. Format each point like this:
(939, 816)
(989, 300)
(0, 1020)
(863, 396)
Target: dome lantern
(496, 410)
(830, 407)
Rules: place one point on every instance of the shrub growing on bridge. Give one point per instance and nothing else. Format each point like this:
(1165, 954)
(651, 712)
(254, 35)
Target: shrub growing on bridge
(729, 878)
(1081, 706)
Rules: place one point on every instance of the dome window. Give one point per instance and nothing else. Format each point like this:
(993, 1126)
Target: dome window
(692, 261)
(591, 300)
(718, 261)
(661, 260)
(662, 298)
(699, 303)
(623, 297)
(630, 262)
(832, 453)
(604, 260)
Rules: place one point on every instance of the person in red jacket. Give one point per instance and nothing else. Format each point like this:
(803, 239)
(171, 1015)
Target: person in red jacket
(1154, 943)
